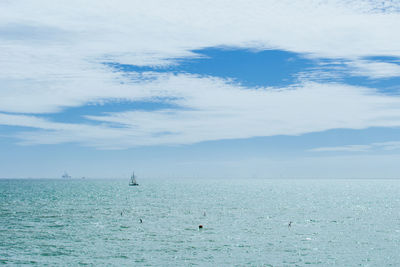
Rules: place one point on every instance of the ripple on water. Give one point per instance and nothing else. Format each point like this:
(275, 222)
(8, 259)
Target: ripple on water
(343, 223)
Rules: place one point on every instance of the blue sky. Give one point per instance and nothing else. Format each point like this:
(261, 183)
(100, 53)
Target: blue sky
(268, 89)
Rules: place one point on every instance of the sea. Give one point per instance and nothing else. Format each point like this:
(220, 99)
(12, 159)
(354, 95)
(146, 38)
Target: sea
(246, 222)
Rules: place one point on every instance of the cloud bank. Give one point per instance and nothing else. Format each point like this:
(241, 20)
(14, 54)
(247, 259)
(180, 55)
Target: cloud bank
(53, 55)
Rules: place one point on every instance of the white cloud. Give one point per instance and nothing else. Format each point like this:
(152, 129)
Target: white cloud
(374, 69)
(393, 145)
(51, 55)
(340, 69)
(243, 113)
(348, 148)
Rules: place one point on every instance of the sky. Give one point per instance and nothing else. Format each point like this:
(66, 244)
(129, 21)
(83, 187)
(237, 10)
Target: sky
(200, 89)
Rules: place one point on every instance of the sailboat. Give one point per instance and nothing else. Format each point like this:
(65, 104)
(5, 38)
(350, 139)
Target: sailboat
(66, 176)
(133, 180)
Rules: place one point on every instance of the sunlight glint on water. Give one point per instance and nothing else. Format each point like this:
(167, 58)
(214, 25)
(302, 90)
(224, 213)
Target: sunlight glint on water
(335, 222)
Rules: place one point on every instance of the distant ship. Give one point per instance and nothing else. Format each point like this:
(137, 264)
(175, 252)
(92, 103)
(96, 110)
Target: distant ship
(133, 180)
(66, 176)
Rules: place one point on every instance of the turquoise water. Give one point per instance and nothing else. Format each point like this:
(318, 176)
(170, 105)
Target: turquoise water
(335, 222)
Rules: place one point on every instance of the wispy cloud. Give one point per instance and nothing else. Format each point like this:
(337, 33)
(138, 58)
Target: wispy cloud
(393, 145)
(374, 69)
(340, 69)
(348, 148)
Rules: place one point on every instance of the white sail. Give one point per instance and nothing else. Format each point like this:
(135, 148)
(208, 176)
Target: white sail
(133, 179)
